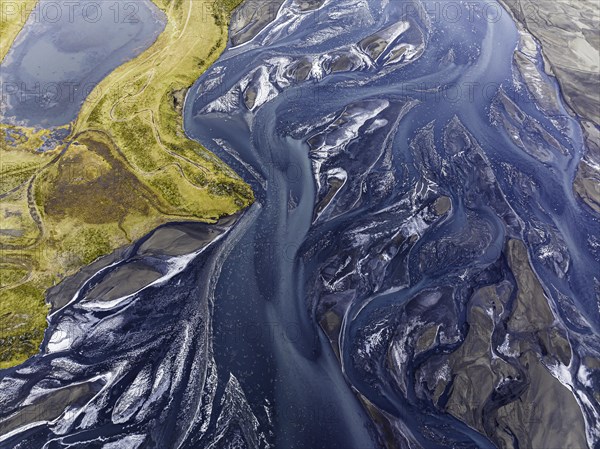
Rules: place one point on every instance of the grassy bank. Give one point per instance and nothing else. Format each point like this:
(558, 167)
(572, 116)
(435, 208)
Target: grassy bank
(138, 106)
(13, 15)
(127, 169)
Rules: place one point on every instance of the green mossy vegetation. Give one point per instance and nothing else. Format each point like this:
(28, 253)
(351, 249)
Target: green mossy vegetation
(13, 15)
(21, 328)
(126, 168)
(11, 274)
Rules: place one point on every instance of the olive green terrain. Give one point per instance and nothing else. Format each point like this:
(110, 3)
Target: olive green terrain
(13, 15)
(126, 168)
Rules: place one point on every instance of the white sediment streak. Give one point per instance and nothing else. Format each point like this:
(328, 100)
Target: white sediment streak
(563, 374)
(175, 266)
(265, 91)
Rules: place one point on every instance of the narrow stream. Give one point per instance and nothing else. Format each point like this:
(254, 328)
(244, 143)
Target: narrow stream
(394, 151)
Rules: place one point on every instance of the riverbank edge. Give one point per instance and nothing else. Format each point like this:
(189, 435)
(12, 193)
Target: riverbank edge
(41, 291)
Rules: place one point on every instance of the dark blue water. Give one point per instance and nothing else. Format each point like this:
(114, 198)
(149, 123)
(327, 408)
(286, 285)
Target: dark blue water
(361, 126)
(279, 333)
